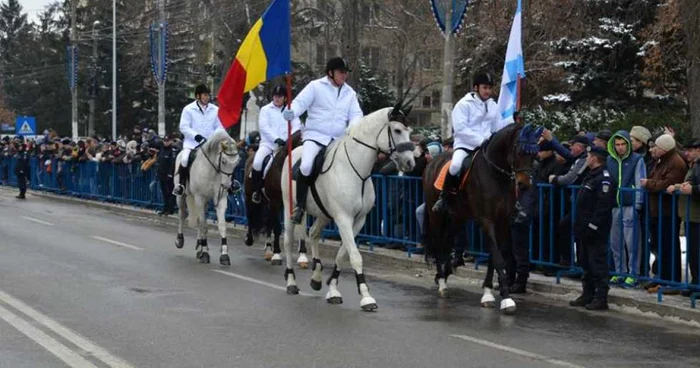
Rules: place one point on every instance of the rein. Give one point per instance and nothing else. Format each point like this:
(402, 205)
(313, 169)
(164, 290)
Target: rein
(221, 157)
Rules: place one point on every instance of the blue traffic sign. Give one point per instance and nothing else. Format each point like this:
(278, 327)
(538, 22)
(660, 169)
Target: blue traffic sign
(25, 125)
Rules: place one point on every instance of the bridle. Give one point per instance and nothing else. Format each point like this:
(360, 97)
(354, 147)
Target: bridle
(221, 155)
(513, 171)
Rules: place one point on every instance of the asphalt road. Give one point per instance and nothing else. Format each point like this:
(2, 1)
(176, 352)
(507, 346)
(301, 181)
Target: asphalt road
(86, 287)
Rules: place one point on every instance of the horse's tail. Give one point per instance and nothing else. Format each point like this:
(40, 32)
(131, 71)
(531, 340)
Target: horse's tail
(192, 213)
(256, 217)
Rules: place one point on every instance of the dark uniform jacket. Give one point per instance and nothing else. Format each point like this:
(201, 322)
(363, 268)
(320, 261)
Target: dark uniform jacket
(594, 205)
(22, 165)
(166, 160)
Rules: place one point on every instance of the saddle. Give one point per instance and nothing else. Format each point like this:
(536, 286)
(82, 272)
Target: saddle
(463, 172)
(315, 170)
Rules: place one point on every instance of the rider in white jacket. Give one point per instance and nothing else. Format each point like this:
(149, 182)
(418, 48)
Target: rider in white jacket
(332, 106)
(474, 119)
(273, 132)
(198, 121)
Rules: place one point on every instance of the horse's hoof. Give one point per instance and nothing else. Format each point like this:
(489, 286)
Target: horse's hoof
(336, 300)
(248, 240)
(276, 260)
(443, 294)
(204, 258)
(316, 285)
(268, 254)
(225, 260)
(302, 261)
(508, 306)
(180, 241)
(488, 304)
(370, 307)
(368, 304)
(292, 290)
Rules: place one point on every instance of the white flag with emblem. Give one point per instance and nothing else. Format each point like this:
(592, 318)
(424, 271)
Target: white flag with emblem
(514, 65)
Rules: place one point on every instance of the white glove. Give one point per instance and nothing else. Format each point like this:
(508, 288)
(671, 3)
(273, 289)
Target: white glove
(288, 115)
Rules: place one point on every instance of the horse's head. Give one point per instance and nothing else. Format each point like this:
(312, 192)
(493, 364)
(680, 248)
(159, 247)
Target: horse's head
(398, 142)
(523, 154)
(222, 152)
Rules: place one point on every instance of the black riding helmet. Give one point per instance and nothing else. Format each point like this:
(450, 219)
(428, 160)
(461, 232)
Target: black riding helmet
(200, 89)
(483, 78)
(279, 90)
(337, 63)
(253, 138)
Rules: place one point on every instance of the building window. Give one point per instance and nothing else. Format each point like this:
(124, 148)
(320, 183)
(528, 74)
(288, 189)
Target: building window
(426, 102)
(436, 98)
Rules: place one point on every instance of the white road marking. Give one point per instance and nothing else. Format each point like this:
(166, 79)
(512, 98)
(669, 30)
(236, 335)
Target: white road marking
(116, 243)
(524, 353)
(37, 221)
(47, 342)
(81, 342)
(263, 283)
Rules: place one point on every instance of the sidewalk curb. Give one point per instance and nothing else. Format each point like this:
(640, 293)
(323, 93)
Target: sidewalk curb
(675, 309)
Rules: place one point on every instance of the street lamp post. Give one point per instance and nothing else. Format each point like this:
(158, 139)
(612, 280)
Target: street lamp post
(93, 84)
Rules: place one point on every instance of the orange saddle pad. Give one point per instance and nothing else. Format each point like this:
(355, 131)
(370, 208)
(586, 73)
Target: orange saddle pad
(440, 181)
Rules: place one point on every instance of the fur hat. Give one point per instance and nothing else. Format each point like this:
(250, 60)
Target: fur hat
(640, 133)
(666, 142)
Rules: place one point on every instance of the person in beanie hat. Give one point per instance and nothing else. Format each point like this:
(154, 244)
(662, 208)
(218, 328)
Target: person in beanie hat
(670, 169)
(592, 228)
(640, 143)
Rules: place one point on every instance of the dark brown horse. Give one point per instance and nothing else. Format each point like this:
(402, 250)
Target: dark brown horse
(488, 197)
(265, 217)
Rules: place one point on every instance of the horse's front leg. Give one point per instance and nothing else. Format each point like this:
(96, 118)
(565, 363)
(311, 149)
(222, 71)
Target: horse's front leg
(347, 235)
(497, 262)
(302, 261)
(181, 215)
(224, 259)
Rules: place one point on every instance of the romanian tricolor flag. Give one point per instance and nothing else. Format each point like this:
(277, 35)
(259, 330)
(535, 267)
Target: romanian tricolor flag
(264, 54)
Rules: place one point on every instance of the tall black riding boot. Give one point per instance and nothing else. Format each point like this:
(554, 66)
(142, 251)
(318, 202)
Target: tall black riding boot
(450, 187)
(302, 191)
(257, 179)
(184, 173)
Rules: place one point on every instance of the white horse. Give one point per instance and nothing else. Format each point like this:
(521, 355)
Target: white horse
(210, 178)
(347, 194)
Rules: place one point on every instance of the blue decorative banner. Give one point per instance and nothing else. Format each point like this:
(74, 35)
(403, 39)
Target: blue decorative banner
(158, 39)
(72, 66)
(459, 9)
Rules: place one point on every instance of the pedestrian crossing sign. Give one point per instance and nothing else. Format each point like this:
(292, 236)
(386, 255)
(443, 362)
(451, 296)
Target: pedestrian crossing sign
(25, 125)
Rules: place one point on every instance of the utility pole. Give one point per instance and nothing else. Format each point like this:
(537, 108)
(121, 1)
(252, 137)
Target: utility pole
(114, 69)
(73, 61)
(161, 81)
(93, 84)
(448, 71)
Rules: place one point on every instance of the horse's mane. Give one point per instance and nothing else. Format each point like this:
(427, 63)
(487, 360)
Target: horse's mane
(506, 133)
(370, 122)
(214, 141)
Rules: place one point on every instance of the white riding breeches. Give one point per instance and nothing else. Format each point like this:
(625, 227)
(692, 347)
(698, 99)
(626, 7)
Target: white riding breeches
(457, 159)
(263, 151)
(308, 155)
(184, 160)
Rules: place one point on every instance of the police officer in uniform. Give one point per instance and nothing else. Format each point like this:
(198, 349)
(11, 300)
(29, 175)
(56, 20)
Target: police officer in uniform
(198, 121)
(22, 169)
(273, 134)
(332, 106)
(592, 228)
(165, 171)
(474, 119)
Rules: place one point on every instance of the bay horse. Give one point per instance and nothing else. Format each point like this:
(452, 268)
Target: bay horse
(265, 217)
(488, 196)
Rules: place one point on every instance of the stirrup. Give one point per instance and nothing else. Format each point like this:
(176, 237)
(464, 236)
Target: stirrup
(179, 190)
(256, 197)
(297, 216)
